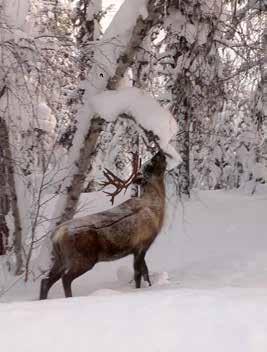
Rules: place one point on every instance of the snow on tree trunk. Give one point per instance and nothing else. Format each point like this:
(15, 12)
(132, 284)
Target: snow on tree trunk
(13, 23)
(8, 197)
(86, 155)
(178, 64)
(20, 96)
(190, 66)
(86, 20)
(120, 41)
(183, 146)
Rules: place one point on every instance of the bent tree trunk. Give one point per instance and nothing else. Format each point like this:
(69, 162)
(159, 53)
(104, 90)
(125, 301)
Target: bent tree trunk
(8, 198)
(86, 154)
(123, 58)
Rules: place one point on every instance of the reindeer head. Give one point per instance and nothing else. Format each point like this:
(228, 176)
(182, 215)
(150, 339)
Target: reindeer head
(154, 167)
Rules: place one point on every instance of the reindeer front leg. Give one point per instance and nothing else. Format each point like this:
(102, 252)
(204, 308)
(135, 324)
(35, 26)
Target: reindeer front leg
(140, 269)
(138, 262)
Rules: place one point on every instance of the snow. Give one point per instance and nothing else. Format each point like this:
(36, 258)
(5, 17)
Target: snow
(212, 7)
(125, 19)
(46, 120)
(113, 43)
(209, 283)
(260, 171)
(16, 11)
(111, 46)
(173, 158)
(144, 109)
(112, 6)
(157, 321)
(179, 24)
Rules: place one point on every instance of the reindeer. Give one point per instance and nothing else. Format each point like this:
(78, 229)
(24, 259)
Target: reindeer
(129, 228)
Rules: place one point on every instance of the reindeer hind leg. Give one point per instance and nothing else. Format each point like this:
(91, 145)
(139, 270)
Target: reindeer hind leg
(66, 281)
(138, 263)
(145, 272)
(72, 274)
(46, 283)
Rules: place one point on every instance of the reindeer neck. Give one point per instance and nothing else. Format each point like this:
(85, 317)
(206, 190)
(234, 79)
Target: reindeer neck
(154, 192)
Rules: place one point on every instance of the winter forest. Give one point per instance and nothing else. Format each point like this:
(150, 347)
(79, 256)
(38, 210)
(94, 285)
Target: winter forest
(91, 93)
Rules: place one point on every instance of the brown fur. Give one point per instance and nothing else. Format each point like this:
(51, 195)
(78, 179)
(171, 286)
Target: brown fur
(129, 228)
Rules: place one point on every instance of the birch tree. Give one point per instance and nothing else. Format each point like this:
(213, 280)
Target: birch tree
(234, 143)
(112, 57)
(179, 63)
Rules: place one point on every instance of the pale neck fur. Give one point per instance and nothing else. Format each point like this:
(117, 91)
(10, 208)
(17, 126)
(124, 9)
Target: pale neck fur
(154, 192)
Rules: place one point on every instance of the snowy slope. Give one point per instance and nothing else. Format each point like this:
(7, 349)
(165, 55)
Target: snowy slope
(209, 293)
(156, 321)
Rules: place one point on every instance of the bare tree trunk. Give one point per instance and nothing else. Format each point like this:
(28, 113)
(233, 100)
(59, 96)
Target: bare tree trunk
(8, 195)
(182, 173)
(184, 150)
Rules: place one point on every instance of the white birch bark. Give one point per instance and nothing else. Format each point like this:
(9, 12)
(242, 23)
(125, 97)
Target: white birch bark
(112, 56)
(13, 16)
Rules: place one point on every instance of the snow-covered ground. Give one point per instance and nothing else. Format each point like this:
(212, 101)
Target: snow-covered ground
(113, 6)
(209, 293)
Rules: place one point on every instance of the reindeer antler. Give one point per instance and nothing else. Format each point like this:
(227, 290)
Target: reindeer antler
(117, 182)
